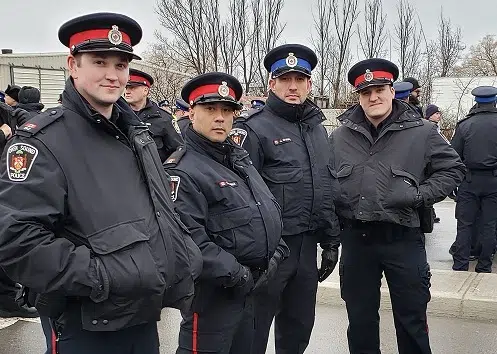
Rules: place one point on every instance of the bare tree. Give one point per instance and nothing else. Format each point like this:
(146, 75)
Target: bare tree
(324, 44)
(345, 14)
(408, 39)
(449, 45)
(247, 27)
(372, 35)
(231, 45)
(266, 16)
(463, 88)
(481, 59)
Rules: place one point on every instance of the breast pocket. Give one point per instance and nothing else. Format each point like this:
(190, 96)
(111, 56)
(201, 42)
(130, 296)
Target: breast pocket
(286, 184)
(222, 226)
(345, 187)
(402, 191)
(127, 258)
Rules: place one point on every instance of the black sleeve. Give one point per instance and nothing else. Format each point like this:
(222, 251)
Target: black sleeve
(445, 166)
(31, 210)
(192, 206)
(457, 141)
(3, 140)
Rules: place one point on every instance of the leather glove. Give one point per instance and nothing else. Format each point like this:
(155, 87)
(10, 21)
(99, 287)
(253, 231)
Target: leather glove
(245, 283)
(329, 260)
(279, 255)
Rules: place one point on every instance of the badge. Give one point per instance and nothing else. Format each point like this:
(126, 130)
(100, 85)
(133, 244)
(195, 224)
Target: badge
(20, 159)
(368, 76)
(291, 60)
(115, 36)
(174, 184)
(223, 89)
(238, 136)
(281, 141)
(224, 184)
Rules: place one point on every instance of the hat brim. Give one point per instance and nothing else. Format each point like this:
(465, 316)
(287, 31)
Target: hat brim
(132, 55)
(134, 84)
(285, 70)
(374, 82)
(235, 105)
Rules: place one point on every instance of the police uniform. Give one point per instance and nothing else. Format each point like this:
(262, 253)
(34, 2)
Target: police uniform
(402, 90)
(289, 147)
(160, 123)
(474, 140)
(235, 221)
(383, 186)
(86, 220)
(183, 122)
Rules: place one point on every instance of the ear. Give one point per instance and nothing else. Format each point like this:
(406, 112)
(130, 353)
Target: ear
(72, 65)
(272, 83)
(309, 85)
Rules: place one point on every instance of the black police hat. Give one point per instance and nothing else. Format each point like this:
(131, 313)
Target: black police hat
(485, 94)
(13, 91)
(139, 78)
(163, 103)
(402, 89)
(101, 32)
(182, 105)
(372, 72)
(213, 87)
(290, 57)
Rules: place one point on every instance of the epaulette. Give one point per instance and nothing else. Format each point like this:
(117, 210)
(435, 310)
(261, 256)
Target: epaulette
(245, 116)
(39, 122)
(175, 157)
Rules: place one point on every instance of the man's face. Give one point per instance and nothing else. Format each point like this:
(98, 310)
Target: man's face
(179, 113)
(212, 120)
(435, 117)
(291, 87)
(99, 77)
(416, 93)
(10, 101)
(136, 93)
(376, 101)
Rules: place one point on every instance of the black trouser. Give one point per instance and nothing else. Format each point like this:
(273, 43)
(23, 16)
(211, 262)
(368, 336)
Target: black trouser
(48, 333)
(8, 292)
(476, 200)
(291, 296)
(221, 322)
(368, 251)
(72, 339)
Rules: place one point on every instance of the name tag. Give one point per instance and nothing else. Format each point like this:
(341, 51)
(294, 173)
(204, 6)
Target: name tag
(281, 141)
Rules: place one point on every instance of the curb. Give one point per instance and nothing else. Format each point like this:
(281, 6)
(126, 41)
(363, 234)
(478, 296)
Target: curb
(453, 294)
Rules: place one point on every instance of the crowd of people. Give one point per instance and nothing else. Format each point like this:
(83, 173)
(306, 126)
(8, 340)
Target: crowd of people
(112, 209)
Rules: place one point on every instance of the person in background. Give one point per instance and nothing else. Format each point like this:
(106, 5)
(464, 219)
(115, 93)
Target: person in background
(402, 90)
(415, 96)
(182, 115)
(12, 95)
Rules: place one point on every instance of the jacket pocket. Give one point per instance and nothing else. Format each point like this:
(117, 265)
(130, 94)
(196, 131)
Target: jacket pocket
(345, 187)
(125, 253)
(402, 191)
(286, 184)
(222, 226)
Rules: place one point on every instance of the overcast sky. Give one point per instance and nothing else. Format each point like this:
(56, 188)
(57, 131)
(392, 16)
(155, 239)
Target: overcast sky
(31, 26)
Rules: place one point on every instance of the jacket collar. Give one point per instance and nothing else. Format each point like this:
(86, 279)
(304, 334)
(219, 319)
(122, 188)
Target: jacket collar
(482, 108)
(307, 111)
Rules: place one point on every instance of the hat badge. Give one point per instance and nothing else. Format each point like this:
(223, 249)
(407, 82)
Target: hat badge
(115, 36)
(291, 60)
(223, 89)
(368, 76)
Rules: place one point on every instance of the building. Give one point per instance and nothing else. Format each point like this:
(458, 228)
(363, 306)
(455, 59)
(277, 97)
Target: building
(47, 72)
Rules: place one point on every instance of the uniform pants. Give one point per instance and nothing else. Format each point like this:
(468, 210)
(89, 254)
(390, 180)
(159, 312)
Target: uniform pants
(221, 322)
(141, 339)
(399, 253)
(476, 199)
(290, 298)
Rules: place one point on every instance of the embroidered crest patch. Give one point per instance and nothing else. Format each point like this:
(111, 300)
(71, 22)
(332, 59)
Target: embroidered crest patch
(174, 184)
(20, 159)
(238, 136)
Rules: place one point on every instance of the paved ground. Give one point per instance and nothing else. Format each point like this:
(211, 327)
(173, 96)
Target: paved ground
(448, 336)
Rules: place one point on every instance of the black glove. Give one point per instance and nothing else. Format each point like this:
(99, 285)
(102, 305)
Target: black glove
(279, 255)
(329, 259)
(245, 283)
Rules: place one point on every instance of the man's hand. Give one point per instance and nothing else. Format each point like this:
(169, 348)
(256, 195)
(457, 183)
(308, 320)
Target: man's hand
(6, 130)
(245, 283)
(279, 255)
(329, 259)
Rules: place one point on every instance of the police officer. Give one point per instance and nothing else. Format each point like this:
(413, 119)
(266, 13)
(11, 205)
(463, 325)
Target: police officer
(164, 105)
(86, 220)
(289, 147)
(159, 121)
(257, 103)
(182, 115)
(474, 140)
(381, 167)
(415, 96)
(402, 90)
(233, 218)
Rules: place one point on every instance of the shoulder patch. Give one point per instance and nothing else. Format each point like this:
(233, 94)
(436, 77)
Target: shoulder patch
(175, 157)
(238, 135)
(245, 116)
(42, 120)
(174, 182)
(20, 159)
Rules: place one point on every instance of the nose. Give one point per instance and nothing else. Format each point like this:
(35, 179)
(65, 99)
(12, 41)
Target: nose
(373, 96)
(293, 85)
(111, 74)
